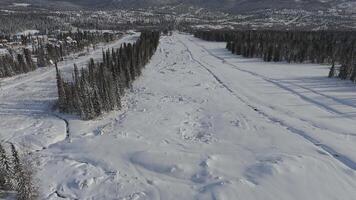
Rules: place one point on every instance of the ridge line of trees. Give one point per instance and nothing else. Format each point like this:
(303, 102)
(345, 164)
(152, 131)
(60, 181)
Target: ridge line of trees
(99, 87)
(337, 48)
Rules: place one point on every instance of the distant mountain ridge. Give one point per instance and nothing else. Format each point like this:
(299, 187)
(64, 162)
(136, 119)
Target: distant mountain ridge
(234, 6)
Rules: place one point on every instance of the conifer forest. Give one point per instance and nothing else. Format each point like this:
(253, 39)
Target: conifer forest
(100, 86)
(177, 99)
(47, 53)
(337, 48)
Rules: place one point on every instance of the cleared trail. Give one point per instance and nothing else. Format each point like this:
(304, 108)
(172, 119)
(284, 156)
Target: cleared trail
(29, 98)
(344, 159)
(200, 123)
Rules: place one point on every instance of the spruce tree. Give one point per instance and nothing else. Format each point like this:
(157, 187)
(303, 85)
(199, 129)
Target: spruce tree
(5, 170)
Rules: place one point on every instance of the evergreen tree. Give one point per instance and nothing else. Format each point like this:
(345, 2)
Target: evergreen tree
(61, 91)
(333, 47)
(332, 71)
(100, 86)
(5, 170)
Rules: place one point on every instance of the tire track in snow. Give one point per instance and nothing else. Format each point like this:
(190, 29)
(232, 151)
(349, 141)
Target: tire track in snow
(323, 95)
(28, 78)
(345, 160)
(310, 100)
(276, 82)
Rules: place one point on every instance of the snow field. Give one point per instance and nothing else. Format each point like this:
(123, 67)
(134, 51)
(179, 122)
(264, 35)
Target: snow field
(200, 123)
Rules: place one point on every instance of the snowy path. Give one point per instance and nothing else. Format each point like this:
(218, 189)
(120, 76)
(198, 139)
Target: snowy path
(26, 102)
(200, 123)
(334, 115)
(342, 158)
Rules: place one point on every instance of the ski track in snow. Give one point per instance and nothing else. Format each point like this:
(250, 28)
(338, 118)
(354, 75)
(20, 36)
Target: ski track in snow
(200, 123)
(340, 157)
(280, 84)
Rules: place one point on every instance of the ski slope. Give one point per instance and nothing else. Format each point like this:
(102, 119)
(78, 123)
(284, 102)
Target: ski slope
(200, 123)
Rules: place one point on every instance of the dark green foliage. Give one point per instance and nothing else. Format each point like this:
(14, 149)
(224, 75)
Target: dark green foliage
(13, 22)
(343, 72)
(47, 53)
(21, 63)
(100, 86)
(332, 71)
(5, 170)
(17, 174)
(353, 74)
(324, 47)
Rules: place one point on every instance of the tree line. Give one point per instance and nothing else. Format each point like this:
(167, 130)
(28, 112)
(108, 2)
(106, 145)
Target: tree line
(16, 174)
(337, 48)
(66, 44)
(17, 21)
(47, 53)
(99, 87)
(21, 63)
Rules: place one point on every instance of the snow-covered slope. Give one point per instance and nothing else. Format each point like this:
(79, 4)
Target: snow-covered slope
(26, 102)
(234, 6)
(200, 123)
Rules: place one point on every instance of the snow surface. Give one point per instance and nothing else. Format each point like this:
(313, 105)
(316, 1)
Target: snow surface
(28, 32)
(21, 4)
(200, 123)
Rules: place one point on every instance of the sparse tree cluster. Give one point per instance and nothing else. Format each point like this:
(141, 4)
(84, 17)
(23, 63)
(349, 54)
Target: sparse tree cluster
(12, 64)
(48, 53)
(325, 47)
(68, 43)
(17, 174)
(85, 38)
(99, 87)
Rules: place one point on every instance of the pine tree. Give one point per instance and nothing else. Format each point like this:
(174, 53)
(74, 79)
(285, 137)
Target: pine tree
(343, 72)
(334, 47)
(5, 170)
(99, 87)
(61, 91)
(332, 71)
(353, 75)
(23, 173)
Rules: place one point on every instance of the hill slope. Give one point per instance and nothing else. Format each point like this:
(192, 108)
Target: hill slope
(234, 6)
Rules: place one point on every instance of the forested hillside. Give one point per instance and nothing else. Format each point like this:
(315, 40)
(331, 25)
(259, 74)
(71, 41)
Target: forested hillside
(233, 6)
(337, 48)
(199, 123)
(36, 51)
(177, 99)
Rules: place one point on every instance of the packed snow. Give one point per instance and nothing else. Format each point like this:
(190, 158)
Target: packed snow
(21, 4)
(201, 123)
